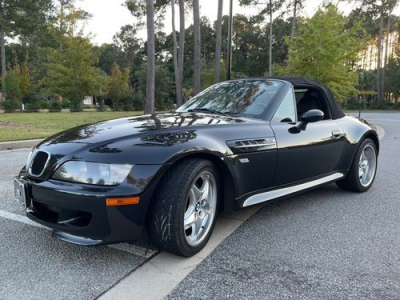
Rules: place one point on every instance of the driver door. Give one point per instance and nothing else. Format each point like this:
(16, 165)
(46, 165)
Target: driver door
(304, 154)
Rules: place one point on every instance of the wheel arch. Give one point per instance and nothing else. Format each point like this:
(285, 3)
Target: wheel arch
(372, 136)
(226, 179)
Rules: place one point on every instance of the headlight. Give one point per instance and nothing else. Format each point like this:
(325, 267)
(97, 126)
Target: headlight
(92, 173)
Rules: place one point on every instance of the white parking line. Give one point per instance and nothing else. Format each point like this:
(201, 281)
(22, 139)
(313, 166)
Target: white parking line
(132, 249)
(21, 219)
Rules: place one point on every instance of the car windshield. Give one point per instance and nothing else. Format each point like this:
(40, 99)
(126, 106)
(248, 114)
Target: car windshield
(239, 97)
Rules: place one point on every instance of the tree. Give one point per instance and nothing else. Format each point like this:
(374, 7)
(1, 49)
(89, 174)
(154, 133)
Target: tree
(197, 48)
(392, 84)
(163, 93)
(218, 43)
(181, 50)
(380, 10)
(151, 72)
(322, 49)
(138, 9)
(296, 5)
(128, 44)
(22, 72)
(118, 88)
(19, 17)
(12, 92)
(72, 72)
(271, 6)
(178, 81)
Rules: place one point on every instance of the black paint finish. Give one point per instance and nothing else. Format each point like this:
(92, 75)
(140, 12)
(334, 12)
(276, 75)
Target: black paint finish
(152, 143)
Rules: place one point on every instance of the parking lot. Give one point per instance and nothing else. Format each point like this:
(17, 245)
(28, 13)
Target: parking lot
(326, 243)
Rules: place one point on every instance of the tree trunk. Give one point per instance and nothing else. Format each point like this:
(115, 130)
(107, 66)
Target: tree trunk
(378, 68)
(217, 74)
(149, 108)
(385, 60)
(270, 39)
(3, 45)
(178, 89)
(294, 20)
(197, 48)
(181, 50)
(3, 53)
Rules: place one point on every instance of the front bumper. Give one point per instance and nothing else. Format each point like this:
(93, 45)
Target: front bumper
(78, 213)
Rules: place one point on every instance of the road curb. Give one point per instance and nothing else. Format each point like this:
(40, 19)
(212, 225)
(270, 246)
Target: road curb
(159, 276)
(19, 144)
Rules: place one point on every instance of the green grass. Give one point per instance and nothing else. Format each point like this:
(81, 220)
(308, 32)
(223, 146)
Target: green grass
(26, 126)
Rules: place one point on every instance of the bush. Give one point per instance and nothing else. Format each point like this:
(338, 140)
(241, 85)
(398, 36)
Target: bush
(377, 105)
(32, 107)
(55, 106)
(10, 105)
(65, 103)
(12, 92)
(44, 104)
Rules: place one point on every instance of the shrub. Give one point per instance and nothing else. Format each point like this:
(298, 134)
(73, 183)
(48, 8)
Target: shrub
(12, 91)
(43, 104)
(55, 106)
(10, 105)
(65, 103)
(32, 107)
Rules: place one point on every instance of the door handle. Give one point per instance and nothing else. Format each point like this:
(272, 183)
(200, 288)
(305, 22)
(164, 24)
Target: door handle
(337, 134)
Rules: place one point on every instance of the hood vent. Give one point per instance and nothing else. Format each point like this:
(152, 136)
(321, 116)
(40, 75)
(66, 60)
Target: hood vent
(252, 145)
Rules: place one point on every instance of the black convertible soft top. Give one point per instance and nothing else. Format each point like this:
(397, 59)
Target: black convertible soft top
(337, 113)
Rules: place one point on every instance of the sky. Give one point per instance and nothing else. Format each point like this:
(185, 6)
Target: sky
(110, 15)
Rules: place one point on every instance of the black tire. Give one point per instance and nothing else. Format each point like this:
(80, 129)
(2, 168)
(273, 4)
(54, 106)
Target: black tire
(352, 180)
(166, 216)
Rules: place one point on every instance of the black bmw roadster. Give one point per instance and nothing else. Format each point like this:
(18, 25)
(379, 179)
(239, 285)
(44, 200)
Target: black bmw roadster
(237, 144)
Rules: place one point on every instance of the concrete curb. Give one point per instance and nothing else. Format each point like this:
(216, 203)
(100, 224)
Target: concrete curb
(19, 144)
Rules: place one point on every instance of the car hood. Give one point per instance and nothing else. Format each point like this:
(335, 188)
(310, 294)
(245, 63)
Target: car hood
(137, 126)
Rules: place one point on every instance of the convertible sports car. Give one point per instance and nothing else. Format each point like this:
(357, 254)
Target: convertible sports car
(236, 144)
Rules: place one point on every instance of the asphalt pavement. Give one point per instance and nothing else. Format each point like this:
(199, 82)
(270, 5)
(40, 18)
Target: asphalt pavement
(324, 244)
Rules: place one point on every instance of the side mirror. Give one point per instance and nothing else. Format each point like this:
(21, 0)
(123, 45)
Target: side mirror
(312, 116)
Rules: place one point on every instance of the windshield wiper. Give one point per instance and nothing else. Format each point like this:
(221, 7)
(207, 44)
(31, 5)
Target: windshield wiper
(209, 111)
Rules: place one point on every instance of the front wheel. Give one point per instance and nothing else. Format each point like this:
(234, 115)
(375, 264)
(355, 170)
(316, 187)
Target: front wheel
(363, 169)
(183, 214)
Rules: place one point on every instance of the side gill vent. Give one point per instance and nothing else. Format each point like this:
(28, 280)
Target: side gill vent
(252, 145)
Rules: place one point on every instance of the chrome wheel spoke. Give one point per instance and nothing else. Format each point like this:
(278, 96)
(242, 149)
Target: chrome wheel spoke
(200, 214)
(367, 165)
(196, 192)
(197, 226)
(205, 189)
(189, 220)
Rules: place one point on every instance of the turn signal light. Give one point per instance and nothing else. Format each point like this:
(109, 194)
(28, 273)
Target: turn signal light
(122, 201)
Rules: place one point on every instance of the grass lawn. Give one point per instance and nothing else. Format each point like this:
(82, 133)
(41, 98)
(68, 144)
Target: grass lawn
(26, 126)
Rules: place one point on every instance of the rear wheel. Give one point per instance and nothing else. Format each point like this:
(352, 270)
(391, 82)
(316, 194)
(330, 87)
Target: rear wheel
(183, 214)
(363, 169)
